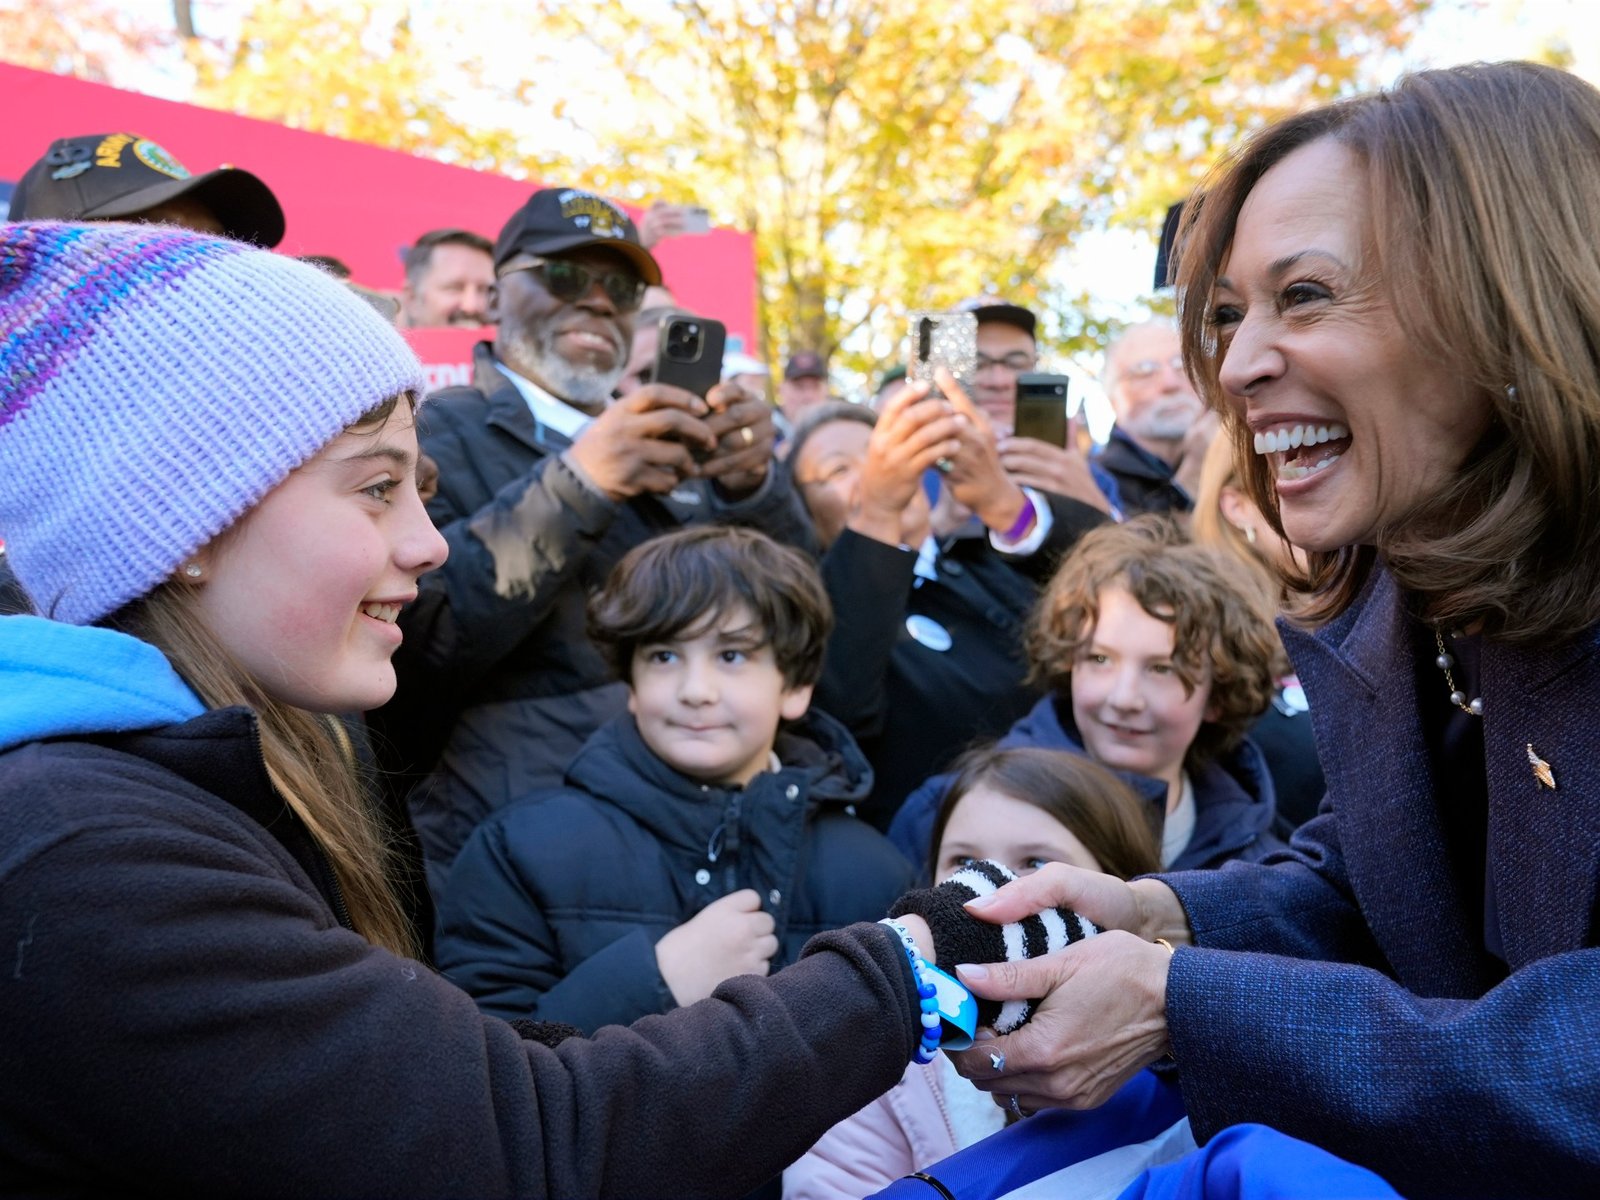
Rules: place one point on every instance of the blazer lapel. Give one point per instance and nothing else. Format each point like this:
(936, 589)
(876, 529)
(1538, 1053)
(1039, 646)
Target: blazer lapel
(1544, 844)
(1359, 673)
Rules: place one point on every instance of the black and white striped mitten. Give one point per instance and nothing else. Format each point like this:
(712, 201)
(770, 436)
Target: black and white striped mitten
(960, 937)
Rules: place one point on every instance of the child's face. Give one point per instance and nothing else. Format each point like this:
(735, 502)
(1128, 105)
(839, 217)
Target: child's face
(305, 588)
(990, 824)
(708, 701)
(1127, 697)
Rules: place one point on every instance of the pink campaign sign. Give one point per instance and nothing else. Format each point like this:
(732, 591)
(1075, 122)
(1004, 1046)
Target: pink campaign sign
(446, 354)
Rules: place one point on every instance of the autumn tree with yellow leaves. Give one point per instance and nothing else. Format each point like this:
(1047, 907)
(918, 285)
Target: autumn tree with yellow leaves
(885, 154)
(893, 155)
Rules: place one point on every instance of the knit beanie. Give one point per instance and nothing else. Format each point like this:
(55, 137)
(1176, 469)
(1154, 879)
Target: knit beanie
(155, 384)
(963, 938)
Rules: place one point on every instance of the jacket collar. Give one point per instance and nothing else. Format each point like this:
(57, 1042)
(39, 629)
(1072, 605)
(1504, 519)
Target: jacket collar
(508, 411)
(819, 759)
(1127, 457)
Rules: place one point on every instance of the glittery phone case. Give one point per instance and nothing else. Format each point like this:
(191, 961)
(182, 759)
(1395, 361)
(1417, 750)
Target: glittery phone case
(942, 339)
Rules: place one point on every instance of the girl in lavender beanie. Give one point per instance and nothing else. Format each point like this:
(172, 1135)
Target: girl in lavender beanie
(208, 492)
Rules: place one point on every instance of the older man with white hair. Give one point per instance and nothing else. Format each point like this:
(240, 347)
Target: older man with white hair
(1162, 430)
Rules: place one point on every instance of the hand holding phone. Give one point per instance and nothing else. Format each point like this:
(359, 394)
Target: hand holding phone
(942, 339)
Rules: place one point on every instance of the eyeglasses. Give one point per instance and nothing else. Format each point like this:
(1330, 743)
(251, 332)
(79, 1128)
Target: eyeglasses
(570, 281)
(1147, 367)
(1017, 360)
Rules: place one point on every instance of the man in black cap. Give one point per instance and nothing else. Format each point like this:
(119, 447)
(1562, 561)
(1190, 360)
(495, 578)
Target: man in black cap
(545, 481)
(1007, 348)
(804, 386)
(125, 177)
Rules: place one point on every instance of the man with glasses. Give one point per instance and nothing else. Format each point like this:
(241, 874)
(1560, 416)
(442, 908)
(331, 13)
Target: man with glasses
(1162, 430)
(545, 481)
(1007, 348)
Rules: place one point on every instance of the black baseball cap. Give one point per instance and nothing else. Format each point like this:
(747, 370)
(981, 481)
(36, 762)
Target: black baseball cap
(1003, 312)
(557, 219)
(108, 176)
(807, 364)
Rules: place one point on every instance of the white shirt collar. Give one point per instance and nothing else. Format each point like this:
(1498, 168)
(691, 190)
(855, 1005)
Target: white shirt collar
(549, 412)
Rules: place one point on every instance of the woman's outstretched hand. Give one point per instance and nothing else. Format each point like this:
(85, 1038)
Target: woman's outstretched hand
(1102, 1011)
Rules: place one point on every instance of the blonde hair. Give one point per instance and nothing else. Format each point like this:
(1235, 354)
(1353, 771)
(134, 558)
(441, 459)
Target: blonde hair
(1480, 184)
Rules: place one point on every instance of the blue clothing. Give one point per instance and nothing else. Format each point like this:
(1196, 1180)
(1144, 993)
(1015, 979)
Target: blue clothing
(1049, 1153)
(1233, 798)
(62, 680)
(1253, 1162)
(1344, 994)
(1031, 1150)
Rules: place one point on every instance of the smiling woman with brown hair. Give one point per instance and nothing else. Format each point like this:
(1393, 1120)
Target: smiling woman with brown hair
(1395, 301)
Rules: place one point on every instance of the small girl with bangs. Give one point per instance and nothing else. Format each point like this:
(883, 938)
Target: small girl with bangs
(1021, 808)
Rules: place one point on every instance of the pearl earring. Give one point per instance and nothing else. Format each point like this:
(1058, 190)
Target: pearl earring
(194, 570)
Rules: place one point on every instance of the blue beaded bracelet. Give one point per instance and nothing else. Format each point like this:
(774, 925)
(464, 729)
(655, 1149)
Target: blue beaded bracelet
(928, 1047)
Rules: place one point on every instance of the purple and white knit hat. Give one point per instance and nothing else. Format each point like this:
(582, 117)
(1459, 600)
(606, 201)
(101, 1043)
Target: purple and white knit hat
(155, 384)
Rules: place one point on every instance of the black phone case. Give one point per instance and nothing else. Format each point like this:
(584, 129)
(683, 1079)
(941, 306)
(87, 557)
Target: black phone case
(1041, 411)
(701, 375)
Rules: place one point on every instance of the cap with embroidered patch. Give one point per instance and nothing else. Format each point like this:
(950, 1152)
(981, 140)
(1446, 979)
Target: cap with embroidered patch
(558, 219)
(115, 176)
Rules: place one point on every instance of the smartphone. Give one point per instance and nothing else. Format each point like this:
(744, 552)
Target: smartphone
(696, 219)
(689, 356)
(942, 339)
(689, 352)
(1042, 408)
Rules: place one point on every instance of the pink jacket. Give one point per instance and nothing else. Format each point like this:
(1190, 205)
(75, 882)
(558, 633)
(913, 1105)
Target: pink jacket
(906, 1129)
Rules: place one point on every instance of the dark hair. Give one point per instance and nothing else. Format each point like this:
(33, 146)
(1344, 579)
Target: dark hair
(420, 254)
(822, 414)
(691, 579)
(1096, 807)
(1217, 625)
(1480, 185)
(336, 267)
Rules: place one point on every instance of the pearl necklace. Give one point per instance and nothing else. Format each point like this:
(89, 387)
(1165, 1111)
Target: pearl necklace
(1473, 707)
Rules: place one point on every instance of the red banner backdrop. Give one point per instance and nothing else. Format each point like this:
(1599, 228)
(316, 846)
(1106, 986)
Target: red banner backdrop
(360, 203)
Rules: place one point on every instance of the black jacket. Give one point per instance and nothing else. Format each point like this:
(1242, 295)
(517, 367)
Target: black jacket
(186, 1015)
(499, 683)
(554, 906)
(920, 669)
(1144, 482)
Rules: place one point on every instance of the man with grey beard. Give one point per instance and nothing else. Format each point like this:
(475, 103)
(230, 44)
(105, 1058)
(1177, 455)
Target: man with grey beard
(1162, 430)
(545, 481)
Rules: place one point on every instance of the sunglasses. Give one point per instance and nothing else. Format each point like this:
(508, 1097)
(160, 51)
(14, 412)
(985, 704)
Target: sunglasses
(570, 281)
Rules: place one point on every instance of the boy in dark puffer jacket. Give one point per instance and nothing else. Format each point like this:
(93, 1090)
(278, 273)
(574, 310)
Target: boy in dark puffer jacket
(708, 833)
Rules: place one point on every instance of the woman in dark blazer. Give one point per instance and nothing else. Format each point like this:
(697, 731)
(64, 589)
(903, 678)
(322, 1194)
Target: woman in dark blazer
(1396, 303)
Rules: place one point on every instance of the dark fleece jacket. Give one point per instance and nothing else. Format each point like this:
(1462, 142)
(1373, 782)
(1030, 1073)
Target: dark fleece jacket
(184, 1013)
